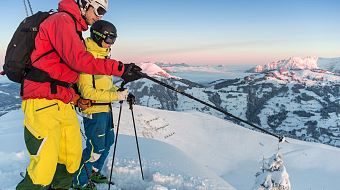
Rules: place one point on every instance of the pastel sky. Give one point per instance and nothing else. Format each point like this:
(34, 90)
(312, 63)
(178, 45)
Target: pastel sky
(210, 31)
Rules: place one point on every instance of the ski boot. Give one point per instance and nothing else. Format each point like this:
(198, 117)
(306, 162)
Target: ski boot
(88, 186)
(97, 177)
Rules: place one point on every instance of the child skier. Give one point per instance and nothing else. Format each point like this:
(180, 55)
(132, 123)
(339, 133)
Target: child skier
(98, 124)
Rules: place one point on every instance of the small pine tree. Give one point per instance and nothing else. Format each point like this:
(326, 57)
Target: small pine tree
(273, 175)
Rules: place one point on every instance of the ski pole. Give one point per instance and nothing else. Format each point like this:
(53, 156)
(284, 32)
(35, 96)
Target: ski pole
(116, 139)
(281, 138)
(82, 159)
(131, 100)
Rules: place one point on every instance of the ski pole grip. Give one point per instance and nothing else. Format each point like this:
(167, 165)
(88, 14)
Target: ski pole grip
(143, 75)
(122, 86)
(131, 99)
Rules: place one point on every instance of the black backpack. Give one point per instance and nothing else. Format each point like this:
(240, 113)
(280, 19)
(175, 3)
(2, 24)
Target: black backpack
(18, 53)
(18, 63)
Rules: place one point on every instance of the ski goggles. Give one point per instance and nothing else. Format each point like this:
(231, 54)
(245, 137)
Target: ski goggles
(98, 10)
(108, 38)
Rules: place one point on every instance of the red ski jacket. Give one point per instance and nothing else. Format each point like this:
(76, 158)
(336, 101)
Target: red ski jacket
(69, 56)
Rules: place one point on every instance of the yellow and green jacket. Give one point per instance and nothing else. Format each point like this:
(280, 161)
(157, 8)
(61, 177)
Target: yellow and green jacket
(105, 91)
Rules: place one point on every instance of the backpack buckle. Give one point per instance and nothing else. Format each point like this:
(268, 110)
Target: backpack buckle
(34, 29)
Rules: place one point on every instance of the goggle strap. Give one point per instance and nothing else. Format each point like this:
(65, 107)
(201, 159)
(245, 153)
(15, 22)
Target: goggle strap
(99, 34)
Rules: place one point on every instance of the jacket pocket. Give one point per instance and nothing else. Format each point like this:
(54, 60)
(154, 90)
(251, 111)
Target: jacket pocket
(49, 106)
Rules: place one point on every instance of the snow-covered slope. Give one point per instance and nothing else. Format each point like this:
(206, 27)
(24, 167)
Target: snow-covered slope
(4, 79)
(164, 165)
(9, 96)
(188, 150)
(154, 70)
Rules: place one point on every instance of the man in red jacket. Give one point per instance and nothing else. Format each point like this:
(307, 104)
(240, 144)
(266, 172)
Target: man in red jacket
(51, 130)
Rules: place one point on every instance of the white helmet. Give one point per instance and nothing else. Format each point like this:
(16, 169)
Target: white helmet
(100, 6)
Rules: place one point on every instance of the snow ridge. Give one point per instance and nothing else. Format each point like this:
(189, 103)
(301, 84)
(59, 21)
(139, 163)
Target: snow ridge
(154, 70)
(292, 63)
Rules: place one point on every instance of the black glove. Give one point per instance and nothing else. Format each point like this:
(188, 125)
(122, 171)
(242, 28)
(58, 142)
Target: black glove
(131, 73)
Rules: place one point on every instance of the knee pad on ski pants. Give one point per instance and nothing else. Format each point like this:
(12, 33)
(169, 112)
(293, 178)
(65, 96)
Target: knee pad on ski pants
(52, 136)
(94, 157)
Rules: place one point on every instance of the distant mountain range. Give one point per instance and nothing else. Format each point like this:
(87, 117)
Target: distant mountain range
(294, 63)
(297, 97)
(10, 97)
(300, 104)
(300, 101)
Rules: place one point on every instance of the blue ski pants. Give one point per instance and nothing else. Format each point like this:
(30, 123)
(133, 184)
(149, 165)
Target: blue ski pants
(100, 137)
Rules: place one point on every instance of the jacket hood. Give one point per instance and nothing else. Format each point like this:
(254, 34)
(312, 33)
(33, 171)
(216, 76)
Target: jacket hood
(71, 6)
(97, 51)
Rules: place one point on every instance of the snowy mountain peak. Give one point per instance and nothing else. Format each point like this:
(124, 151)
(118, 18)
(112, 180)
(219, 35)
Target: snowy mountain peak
(154, 70)
(309, 62)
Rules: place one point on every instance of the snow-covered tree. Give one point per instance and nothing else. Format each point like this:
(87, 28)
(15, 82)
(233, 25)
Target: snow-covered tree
(273, 175)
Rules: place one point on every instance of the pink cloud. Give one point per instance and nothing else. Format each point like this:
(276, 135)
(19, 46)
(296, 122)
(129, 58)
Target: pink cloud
(209, 57)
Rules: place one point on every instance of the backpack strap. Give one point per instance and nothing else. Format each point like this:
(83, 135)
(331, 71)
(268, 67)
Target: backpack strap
(75, 25)
(99, 104)
(93, 82)
(38, 75)
(43, 55)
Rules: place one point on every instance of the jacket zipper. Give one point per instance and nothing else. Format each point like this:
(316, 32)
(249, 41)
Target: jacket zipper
(47, 107)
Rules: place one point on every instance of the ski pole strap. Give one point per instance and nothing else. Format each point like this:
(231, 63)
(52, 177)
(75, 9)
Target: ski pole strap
(281, 138)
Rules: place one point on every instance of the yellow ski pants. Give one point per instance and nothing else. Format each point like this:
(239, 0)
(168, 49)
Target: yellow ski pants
(55, 138)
